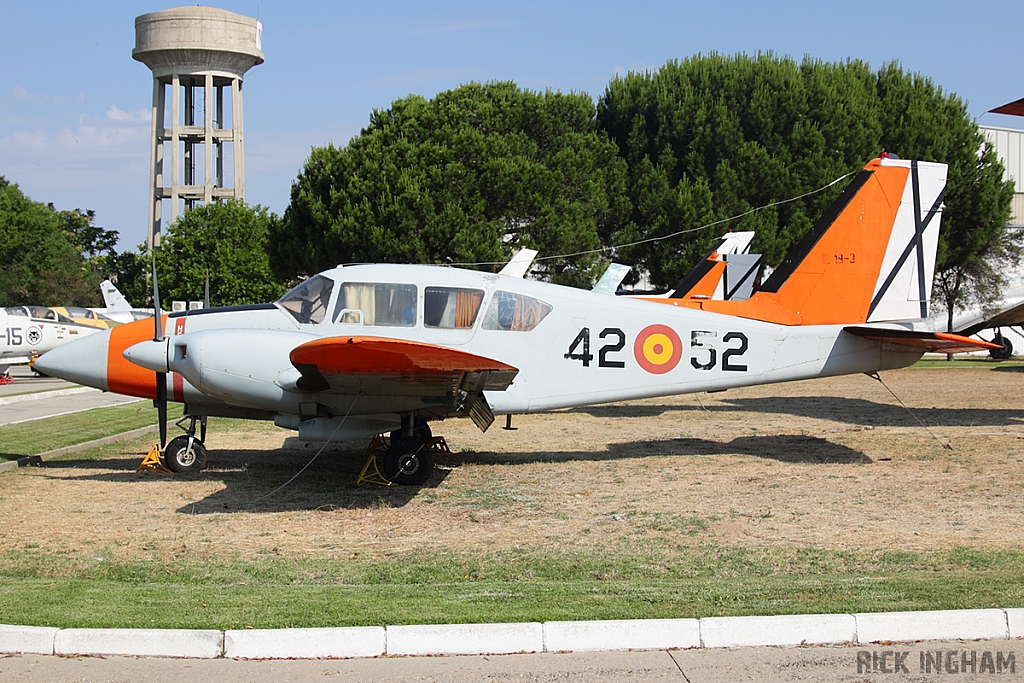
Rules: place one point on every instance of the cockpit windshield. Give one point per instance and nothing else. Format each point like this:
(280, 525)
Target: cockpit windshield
(307, 302)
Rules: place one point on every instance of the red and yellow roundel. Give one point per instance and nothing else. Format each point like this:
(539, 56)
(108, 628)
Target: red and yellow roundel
(657, 349)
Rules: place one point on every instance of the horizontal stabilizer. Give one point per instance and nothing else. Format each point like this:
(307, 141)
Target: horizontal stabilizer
(393, 359)
(934, 342)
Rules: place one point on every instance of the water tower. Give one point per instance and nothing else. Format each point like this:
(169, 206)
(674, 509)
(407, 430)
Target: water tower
(201, 54)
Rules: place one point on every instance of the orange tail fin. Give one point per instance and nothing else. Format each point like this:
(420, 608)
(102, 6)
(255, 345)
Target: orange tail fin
(869, 258)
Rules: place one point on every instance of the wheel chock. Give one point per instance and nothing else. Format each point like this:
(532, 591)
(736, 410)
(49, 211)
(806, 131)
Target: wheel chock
(371, 473)
(153, 461)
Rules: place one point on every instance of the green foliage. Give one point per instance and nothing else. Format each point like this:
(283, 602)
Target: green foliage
(39, 250)
(712, 137)
(470, 176)
(228, 240)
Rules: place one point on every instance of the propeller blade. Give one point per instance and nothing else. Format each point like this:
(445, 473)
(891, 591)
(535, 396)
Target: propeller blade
(161, 406)
(161, 377)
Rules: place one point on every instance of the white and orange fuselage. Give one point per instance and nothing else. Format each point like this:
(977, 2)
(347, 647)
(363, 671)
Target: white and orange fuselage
(350, 351)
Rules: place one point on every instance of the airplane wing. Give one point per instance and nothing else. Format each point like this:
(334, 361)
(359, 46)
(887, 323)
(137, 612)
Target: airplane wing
(936, 342)
(1012, 315)
(377, 364)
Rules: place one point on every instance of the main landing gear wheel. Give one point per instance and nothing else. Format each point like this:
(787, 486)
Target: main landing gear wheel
(408, 462)
(181, 459)
(1004, 353)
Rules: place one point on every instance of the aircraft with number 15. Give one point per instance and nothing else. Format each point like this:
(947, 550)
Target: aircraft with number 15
(363, 350)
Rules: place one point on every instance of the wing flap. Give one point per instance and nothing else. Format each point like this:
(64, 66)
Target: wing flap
(395, 360)
(934, 342)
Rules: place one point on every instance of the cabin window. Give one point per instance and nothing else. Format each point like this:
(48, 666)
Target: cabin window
(376, 304)
(307, 302)
(514, 312)
(451, 308)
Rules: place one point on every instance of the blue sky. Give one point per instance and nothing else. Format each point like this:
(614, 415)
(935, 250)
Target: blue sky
(74, 105)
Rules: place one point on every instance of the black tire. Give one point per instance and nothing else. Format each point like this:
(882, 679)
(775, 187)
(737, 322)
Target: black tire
(179, 459)
(408, 462)
(1004, 353)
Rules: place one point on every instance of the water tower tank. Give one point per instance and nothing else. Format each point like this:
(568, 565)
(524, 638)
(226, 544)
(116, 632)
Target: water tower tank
(201, 55)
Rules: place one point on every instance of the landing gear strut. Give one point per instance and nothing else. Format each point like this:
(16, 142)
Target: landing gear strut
(186, 454)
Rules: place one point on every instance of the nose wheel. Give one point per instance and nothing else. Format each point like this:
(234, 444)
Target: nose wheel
(186, 453)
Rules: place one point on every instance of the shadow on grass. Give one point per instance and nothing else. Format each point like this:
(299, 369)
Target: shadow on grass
(250, 477)
(859, 411)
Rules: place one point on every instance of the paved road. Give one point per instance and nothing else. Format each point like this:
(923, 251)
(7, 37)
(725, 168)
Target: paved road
(26, 380)
(770, 664)
(33, 406)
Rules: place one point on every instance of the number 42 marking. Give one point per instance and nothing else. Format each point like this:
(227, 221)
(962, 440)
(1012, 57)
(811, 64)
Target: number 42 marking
(579, 349)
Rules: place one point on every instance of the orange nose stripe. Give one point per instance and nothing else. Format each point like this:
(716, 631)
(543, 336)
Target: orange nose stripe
(123, 376)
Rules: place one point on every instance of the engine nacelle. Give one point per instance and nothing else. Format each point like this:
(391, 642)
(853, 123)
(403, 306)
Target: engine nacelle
(239, 366)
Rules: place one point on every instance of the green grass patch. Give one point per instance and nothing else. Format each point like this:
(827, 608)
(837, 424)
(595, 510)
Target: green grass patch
(975, 362)
(532, 584)
(38, 436)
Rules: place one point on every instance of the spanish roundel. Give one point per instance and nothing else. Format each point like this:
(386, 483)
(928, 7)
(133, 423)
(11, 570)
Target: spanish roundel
(657, 349)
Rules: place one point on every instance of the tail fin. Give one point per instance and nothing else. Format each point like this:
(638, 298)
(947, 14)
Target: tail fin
(113, 299)
(727, 272)
(869, 258)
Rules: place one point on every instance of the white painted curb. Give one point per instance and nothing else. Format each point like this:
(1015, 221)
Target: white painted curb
(465, 639)
(786, 629)
(35, 640)
(625, 634)
(965, 624)
(139, 642)
(553, 636)
(1015, 622)
(306, 643)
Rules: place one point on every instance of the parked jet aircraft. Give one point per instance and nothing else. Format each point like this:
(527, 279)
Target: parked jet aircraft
(366, 349)
(28, 331)
(85, 316)
(118, 309)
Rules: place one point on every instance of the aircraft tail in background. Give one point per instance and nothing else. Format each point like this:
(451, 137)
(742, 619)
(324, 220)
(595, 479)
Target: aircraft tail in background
(870, 258)
(112, 298)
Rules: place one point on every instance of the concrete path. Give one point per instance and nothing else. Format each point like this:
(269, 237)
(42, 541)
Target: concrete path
(889, 662)
(26, 380)
(49, 397)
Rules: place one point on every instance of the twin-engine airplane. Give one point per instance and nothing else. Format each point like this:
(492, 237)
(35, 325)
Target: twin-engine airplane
(362, 350)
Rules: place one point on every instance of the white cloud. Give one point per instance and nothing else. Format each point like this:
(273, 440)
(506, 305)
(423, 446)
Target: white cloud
(137, 116)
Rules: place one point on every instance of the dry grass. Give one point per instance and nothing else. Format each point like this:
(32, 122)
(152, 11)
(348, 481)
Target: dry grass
(834, 464)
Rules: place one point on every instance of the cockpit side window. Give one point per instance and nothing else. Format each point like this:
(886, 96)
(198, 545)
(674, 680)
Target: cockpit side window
(16, 310)
(42, 313)
(307, 302)
(514, 312)
(451, 308)
(376, 304)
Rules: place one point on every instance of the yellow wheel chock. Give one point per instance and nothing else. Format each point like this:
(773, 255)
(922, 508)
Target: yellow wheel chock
(372, 474)
(152, 461)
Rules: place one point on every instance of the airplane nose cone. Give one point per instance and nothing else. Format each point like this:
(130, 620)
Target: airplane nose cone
(151, 355)
(83, 361)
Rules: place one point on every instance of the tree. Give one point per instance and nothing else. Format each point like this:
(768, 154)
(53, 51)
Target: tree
(712, 137)
(41, 262)
(230, 241)
(470, 176)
